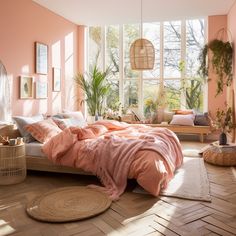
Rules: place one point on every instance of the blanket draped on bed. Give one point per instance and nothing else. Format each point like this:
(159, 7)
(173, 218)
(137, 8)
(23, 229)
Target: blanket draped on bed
(116, 151)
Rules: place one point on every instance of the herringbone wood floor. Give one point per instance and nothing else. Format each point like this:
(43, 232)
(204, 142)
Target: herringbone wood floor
(133, 214)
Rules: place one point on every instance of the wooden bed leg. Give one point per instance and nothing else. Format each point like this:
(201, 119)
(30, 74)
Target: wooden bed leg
(202, 138)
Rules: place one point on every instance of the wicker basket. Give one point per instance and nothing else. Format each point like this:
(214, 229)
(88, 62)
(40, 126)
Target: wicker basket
(12, 164)
(220, 156)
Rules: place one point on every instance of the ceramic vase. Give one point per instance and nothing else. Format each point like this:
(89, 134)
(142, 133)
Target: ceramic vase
(223, 139)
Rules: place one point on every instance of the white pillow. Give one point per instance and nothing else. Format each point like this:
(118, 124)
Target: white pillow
(77, 118)
(183, 120)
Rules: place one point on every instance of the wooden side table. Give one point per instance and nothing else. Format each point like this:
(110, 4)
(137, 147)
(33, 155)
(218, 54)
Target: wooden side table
(222, 156)
(12, 164)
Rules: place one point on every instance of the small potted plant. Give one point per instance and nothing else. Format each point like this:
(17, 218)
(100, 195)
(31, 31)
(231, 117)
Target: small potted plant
(224, 123)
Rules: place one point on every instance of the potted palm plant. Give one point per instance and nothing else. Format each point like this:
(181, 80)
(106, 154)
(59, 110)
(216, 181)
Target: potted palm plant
(224, 123)
(96, 88)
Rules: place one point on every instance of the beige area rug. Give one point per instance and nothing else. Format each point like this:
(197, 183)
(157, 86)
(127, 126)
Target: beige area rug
(68, 204)
(190, 182)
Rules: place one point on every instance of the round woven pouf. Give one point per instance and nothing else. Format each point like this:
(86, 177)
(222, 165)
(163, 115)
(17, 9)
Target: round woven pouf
(68, 204)
(222, 156)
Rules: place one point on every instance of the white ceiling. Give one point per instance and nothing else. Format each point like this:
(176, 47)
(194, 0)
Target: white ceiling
(100, 12)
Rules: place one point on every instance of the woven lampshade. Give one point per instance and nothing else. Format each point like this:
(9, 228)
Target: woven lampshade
(142, 55)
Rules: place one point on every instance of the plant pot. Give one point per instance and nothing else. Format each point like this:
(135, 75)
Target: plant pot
(160, 115)
(100, 118)
(223, 139)
(90, 119)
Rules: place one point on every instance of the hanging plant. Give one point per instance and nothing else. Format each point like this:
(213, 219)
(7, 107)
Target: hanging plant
(221, 59)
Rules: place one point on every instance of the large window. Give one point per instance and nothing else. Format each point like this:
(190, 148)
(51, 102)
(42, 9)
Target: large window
(177, 47)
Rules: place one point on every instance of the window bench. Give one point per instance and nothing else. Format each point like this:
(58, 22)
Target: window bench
(182, 129)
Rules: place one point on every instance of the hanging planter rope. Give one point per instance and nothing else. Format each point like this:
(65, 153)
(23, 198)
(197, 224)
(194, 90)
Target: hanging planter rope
(142, 52)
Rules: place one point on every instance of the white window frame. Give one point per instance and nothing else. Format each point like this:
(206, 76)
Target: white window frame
(141, 80)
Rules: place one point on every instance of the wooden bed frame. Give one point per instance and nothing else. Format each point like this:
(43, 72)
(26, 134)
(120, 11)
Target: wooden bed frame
(43, 164)
(36, 162)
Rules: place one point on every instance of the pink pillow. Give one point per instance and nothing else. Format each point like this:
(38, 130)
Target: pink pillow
(43, 130)
(62, 123)
(183, 112)
(183, 120)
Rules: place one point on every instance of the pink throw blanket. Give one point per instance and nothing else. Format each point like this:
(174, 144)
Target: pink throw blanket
(116, 151)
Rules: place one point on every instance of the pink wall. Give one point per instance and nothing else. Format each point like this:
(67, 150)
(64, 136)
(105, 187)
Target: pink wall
(215, 23)
(24, 22)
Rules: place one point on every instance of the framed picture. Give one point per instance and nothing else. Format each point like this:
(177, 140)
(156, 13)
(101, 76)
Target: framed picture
(56, 73)
(26, 87)
(41, 60)
(41, 88)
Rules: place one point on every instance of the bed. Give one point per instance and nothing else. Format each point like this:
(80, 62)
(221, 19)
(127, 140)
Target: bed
(113, 152)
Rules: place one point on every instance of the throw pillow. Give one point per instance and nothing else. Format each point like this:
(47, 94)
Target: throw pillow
(202, 119)
(183, 112)
(62, 123)
(183, 120)
(43, 130)
(77, 116)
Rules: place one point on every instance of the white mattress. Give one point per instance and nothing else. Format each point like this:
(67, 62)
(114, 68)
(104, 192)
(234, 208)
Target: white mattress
(34, 149)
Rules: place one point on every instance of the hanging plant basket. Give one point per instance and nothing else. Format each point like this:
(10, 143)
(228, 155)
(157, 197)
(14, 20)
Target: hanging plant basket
(220, 58)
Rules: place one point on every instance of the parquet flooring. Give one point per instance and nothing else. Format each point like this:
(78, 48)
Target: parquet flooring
(134, 214)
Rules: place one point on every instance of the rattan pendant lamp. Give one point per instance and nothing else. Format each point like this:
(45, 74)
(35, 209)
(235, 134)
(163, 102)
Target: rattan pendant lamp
(142, 53)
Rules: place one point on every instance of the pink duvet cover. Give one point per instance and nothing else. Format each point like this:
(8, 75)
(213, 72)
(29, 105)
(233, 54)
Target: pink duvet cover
(116, 151)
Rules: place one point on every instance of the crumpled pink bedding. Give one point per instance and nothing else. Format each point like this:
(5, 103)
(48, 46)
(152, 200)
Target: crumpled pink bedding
(116, 151)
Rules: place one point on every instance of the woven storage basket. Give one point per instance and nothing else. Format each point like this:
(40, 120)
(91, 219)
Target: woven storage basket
(220, 156)
(12, 164)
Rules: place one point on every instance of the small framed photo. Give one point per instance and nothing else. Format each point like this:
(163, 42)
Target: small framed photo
(41, 88)
(41, 58)
(26, 87)
(56, 74)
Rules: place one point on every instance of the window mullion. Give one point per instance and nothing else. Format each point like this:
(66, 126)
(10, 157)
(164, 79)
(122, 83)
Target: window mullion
(183, 59)
(121, 65)
(205, 84)
(162, 54)
(86, 64)
(103, 49)
(140, 83)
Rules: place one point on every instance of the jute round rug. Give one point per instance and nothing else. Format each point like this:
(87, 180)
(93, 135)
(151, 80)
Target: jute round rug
(68, 204)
